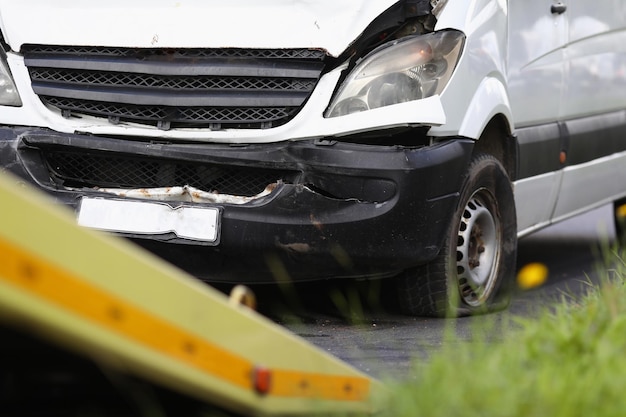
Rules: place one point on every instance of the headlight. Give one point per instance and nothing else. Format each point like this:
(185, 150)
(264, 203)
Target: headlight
(8, 91)
(408, 69)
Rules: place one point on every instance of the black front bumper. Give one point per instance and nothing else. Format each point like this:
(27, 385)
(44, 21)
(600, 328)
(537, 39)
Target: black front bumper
(353, 210)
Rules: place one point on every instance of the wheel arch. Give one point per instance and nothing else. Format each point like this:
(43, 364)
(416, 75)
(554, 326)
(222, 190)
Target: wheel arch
(488, 119)
(490, 99)
(497, 140)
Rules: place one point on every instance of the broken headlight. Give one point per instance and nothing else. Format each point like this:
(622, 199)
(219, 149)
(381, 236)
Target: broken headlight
(407, 69)
(8, 91)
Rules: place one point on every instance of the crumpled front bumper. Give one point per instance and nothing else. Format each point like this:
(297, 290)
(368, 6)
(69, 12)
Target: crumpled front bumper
(354, 210)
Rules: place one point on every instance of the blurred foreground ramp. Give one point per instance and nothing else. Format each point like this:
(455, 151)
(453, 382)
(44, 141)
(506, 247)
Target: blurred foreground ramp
(101, 297)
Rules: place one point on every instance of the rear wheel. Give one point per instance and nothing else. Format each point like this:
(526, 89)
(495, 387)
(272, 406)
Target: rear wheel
(474, 270)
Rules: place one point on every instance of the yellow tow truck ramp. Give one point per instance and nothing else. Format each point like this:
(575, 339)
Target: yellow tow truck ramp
(101, 297)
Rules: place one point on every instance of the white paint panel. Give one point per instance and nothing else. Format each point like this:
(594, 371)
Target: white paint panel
(491, 99)
(326, 24)
(591, 185)
(481, 67)
(535, 61)
(534, 200)
(597, 75)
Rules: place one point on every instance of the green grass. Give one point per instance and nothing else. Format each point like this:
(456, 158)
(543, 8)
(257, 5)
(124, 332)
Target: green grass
(567, 361)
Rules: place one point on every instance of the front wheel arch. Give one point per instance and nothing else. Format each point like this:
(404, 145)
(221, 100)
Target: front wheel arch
(455, 283)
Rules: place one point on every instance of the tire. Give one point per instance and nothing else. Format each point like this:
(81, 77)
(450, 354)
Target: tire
(475, 268)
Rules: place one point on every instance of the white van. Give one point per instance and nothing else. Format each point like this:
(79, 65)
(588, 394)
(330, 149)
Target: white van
(285, 140)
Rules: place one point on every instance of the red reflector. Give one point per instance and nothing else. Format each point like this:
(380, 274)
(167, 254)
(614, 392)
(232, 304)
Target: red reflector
(262, 380)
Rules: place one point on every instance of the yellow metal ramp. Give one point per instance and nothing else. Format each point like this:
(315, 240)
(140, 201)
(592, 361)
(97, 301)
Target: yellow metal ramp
(102, 297)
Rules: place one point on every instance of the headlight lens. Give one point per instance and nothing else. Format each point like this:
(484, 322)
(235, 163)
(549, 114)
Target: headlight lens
(404, 70)
(8, 91)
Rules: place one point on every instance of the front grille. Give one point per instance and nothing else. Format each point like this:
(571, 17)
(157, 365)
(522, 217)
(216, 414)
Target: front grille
(170, 88)
(165, 117)
(106, 170)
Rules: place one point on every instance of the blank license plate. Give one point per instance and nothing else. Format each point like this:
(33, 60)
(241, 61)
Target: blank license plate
(150, 218)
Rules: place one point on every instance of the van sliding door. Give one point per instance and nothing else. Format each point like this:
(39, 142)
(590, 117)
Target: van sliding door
(592, 110)
(537, 36)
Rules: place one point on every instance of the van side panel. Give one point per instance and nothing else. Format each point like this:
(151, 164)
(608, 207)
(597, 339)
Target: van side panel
(535, 61)
(594, 97)
(535, 76)
(595, 58)
(539, 175)
(591, 185)
(596, 163)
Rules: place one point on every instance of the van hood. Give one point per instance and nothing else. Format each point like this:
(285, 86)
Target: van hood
(331, 25)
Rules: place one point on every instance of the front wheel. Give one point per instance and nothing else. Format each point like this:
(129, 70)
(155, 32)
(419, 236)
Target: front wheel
(474, 270)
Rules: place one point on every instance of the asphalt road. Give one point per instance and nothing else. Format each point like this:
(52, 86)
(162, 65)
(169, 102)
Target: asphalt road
(350, 321)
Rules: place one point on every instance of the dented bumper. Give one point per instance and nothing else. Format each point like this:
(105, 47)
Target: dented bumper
(335, 209)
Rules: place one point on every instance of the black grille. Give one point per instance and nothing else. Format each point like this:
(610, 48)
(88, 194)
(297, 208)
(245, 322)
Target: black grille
(164, 117)
(112, 79)
(168, 88)
(305, 54)
(102, 170)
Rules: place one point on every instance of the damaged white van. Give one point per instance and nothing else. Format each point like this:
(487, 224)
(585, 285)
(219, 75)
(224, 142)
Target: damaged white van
(281, 140)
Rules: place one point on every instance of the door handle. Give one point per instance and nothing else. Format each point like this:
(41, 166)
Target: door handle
(558, 8)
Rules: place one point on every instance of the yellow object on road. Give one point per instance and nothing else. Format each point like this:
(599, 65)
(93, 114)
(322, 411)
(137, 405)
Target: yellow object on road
(532, 275)
(104, 298)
